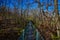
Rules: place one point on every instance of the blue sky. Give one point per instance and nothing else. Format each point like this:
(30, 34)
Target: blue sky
(10, 3)
(44, 7)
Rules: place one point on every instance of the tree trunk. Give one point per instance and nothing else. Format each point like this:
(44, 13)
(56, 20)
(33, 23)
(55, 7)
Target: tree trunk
(56, 16)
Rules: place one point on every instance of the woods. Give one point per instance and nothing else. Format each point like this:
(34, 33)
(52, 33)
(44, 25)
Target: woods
(15, 14)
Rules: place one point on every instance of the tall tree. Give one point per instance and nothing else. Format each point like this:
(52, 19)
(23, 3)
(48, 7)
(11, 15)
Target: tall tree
(56, 16)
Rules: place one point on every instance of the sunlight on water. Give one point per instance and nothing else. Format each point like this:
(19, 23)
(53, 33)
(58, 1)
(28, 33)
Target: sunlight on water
(23, 34)
(37, 34)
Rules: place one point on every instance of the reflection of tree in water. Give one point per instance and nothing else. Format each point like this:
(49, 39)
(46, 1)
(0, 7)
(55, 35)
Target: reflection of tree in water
(30, 33)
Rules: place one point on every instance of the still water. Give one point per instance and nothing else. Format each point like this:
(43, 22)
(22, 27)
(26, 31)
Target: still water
(30, 33)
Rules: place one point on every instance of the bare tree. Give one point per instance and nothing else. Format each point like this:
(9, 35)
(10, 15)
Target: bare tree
(56, 16)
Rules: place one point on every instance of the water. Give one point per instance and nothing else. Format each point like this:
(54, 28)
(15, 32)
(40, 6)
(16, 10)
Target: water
(30, 33)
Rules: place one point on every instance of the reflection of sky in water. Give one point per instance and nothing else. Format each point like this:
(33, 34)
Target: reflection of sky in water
(30, 33)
